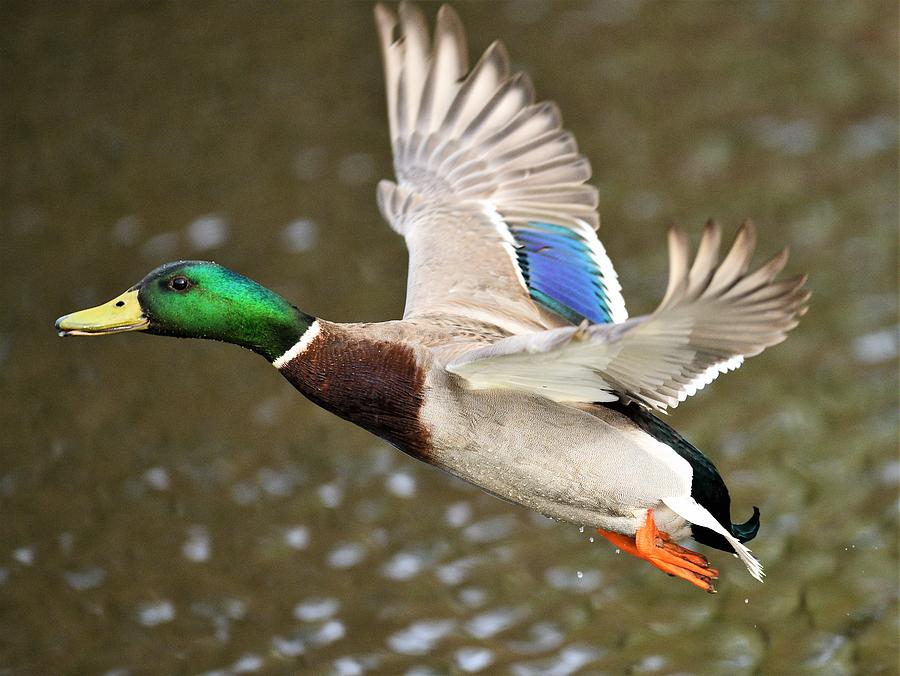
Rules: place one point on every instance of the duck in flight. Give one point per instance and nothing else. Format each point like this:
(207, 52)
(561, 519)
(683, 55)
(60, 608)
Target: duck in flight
(516, 366)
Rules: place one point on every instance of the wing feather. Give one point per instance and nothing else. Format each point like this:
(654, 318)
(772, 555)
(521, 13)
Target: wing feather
(476, 158)
(712, 316)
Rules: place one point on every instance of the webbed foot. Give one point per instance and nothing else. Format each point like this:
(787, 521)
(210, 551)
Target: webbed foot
(655, 547)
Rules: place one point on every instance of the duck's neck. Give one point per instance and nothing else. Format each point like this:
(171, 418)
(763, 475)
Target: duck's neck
(374, 383)
(276, 338)
(298, 345)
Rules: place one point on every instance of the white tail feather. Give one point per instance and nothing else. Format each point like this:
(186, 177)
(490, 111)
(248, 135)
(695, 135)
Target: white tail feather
(693, 511)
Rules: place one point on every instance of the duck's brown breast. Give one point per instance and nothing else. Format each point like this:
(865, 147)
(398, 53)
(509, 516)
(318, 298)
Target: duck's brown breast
(375, 384)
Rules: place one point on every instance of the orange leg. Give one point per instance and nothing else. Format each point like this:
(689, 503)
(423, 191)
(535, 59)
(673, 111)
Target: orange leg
(655, 547)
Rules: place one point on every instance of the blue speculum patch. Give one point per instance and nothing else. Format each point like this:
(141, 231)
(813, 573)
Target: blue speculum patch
(561, 273)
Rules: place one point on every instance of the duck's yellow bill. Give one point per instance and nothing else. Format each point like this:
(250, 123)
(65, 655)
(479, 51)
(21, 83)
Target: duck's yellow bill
(122, 313)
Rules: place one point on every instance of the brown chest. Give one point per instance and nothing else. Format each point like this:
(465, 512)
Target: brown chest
(376, 385)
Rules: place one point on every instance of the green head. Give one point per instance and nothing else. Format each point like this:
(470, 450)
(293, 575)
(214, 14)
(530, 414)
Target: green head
(197, 299)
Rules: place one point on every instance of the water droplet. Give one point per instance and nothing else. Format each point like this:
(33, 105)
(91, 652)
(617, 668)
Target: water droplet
(590, 539)
(579, 574)
(581, 529)
(746, 600)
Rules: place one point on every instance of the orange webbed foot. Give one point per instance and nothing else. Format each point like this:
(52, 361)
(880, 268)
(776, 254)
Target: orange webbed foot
(655, 547)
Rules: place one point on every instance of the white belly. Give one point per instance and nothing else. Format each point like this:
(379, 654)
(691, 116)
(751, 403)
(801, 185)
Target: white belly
(596, 470)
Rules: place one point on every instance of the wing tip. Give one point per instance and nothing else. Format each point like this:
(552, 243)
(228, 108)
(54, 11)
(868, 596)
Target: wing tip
(385, 22)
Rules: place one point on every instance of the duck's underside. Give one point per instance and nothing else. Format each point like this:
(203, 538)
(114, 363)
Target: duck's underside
(635, 488)
(612, 467)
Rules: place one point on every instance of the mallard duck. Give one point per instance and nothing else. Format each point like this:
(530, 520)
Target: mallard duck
(516, 366)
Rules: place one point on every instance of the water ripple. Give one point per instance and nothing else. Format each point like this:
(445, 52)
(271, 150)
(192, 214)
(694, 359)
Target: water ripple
(198, 546)
(403, 566)
(297, 537)
(153, 613)
(207, 232)
(494, 621)
(490, 530)
(569, 660)
(472, 659)
(346, 555)
(316, 609)
(420, 637)
(85, 578)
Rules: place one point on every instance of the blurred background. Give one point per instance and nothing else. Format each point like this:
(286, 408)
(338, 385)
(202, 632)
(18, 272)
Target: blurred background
(176, 507)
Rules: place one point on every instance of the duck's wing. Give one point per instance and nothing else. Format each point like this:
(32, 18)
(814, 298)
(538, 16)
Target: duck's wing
(490, 193)
(712, 316)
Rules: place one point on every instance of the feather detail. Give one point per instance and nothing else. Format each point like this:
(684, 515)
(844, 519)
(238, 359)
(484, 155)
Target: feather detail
(688, 508)
(477, 160)
(712, 316)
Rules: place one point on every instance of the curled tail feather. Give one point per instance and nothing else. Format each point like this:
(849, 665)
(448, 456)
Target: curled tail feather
(746, 531)
(691, 510)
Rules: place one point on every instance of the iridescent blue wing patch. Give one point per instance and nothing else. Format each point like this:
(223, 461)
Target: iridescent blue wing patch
(568, 274)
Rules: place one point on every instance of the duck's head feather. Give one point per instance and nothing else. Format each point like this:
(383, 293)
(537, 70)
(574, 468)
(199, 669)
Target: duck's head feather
(197, 299)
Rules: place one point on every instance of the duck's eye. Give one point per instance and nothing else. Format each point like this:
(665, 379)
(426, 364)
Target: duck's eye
(179, 283)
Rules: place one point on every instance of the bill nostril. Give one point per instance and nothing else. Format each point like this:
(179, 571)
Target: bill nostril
(121, 303)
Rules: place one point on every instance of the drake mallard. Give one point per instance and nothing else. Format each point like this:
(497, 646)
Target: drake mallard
(515, 366)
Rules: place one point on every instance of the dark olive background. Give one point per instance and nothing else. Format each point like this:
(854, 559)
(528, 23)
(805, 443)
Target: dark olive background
(175, 507)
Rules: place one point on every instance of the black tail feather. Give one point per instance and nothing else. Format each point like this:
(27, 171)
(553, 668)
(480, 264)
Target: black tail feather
(746, 531)
(707, 486)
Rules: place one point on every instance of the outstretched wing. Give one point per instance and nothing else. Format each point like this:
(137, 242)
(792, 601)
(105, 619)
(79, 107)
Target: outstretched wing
(490, 193)
(712, 316)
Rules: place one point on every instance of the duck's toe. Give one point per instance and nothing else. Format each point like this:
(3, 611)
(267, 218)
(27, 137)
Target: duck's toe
(655, 547)
(686, 571)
